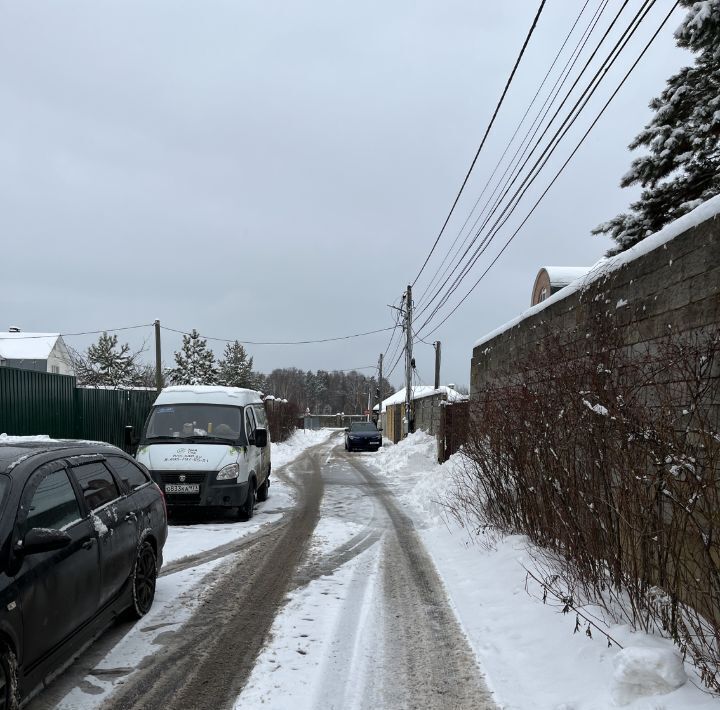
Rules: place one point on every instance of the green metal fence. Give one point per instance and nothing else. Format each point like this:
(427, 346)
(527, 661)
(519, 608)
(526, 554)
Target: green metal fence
(45, 403)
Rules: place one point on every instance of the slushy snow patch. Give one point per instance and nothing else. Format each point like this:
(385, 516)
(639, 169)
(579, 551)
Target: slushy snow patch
(640, 672)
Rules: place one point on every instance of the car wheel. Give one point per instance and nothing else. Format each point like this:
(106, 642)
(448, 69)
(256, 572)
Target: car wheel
(262, 492)
(9, 697)
(144, 578)
(245, 511)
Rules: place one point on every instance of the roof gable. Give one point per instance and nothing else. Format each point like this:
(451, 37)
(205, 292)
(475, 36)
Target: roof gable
(27, 346)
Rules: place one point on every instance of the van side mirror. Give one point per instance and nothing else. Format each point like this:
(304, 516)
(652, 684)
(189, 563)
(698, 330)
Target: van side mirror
(131, 440)
(261, 438)
(347, 428)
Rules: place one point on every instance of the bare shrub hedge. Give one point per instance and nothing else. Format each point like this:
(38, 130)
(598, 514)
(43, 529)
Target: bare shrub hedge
(608, 460)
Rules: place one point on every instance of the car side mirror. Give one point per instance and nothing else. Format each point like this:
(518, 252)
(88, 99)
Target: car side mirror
(379, 428)
(261, 438)
(347, 428)
(131, 441)
(43, 540)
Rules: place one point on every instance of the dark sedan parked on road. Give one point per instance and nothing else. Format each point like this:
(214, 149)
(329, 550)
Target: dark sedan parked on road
(82, 528)
(363, 435)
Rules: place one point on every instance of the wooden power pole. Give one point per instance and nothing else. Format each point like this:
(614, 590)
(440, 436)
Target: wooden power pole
(437, 363)
(408, 361)
(158, 358)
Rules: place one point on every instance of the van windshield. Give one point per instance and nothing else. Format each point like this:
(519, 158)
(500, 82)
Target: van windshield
(208, 422)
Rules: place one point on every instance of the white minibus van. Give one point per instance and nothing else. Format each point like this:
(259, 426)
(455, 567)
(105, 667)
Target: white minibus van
(208, 447)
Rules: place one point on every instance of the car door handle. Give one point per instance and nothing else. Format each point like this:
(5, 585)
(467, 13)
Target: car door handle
(87, 545)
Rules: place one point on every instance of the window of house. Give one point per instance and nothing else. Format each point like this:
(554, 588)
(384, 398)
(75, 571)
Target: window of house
(97, 484)
(543, 294)
(55, 369)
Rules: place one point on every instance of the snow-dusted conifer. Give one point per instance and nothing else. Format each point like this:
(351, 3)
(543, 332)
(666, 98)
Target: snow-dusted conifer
(682, 167)
(235, 368)
(194, 363)
(106, 364)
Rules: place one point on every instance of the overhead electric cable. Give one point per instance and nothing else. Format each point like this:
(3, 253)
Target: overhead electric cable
(20, 336)
(524, 144)
(507, 148)
(487, 132)
(559, 172)
(542, 160)
(281, 342)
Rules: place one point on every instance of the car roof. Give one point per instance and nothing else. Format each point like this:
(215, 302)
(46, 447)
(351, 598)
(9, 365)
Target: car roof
(15, 450)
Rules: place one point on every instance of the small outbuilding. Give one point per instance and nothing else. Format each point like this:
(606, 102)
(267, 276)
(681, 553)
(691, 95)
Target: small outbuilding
(550, 279)
(426, 404)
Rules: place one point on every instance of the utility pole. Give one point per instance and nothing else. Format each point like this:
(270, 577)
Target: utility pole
(408, 361)
(380, 392)
(437, 363)
(158, 358)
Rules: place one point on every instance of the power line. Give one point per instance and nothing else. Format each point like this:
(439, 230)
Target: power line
(280, 342)
(557, 175)
(565, 72)
(487, 132)
(525, 158)
(20, 336)
(540, 163)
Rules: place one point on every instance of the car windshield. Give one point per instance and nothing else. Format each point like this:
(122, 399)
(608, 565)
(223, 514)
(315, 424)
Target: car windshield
(210, 422)
(362, 426)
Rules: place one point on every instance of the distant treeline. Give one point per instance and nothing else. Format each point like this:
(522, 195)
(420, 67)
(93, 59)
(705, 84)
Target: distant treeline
(323, 392)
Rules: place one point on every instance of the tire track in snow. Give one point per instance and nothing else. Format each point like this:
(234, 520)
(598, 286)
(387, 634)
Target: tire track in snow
(207, 661)
(428, 662)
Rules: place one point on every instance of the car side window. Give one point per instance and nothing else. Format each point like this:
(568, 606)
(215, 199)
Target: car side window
(249, 423)
(97, 484)
(54, 504)
(128, 472)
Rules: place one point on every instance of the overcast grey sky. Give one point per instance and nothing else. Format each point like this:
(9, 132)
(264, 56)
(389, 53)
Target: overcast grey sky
(270, 170)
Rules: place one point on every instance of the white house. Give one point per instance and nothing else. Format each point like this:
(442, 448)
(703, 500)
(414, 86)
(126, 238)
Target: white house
(43, 352)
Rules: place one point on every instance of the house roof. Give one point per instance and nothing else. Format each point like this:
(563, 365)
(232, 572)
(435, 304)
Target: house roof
(422, 391)
(563, 275)
(27, 346)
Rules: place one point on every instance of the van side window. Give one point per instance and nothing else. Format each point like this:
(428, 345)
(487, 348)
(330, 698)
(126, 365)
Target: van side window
(261, 416)
(250, 425)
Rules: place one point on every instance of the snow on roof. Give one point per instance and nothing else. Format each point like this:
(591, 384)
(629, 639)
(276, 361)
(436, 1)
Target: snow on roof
(563, 275)
(208, 394)
(422, 391)
(706, 211)
(27, 346)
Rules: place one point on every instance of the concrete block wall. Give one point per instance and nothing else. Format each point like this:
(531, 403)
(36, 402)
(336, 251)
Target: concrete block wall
(675, 288)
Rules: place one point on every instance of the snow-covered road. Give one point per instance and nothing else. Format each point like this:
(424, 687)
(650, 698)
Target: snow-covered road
(351, 589)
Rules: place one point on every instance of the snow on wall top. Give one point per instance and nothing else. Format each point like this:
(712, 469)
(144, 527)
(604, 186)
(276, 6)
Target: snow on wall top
(706, 211)
(563, 275)
(208, 394)
(27, 346)
(421, 391)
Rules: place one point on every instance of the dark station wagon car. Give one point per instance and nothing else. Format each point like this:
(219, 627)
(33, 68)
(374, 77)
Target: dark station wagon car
(82, 528)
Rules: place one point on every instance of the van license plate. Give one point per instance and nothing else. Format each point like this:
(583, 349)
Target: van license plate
(182, 488)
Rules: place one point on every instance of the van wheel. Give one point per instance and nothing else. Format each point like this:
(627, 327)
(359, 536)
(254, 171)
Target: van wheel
(9, 695)
(263, 491)
(245, 511)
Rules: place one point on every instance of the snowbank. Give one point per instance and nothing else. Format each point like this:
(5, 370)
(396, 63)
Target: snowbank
(531, 657)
